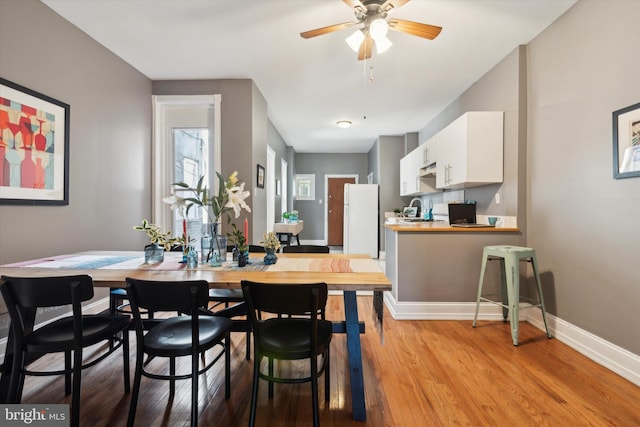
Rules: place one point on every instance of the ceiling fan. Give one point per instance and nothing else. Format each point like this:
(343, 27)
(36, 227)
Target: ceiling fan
(374, 14)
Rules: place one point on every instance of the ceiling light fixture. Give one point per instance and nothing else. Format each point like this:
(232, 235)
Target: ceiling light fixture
(343, 123)
(354, 40)
(377, 31)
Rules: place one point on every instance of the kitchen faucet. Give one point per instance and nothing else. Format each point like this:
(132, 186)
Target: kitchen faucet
(419, 207)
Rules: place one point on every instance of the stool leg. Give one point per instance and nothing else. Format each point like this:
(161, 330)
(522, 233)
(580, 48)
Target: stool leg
(534, 265)
(503, 288)
(513, 293)
(480, 283)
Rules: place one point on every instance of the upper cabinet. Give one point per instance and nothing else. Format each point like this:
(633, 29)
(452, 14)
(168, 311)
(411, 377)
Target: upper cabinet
(470, 151)
(413, 180)
(429, 157)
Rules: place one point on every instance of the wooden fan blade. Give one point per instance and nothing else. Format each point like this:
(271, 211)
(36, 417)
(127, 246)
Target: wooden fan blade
(352, 3)
(395, 3)
(325, 30)
(425, 31)
(365, 48)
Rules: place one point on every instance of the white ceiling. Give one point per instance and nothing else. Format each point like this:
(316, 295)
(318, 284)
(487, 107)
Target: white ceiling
(310, 84)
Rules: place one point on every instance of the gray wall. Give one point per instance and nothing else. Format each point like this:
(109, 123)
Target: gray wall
(582, 222)
(110, 141)
(312, 211)
(558, 156)
(282, 152)
(244, 135)
(384, 162)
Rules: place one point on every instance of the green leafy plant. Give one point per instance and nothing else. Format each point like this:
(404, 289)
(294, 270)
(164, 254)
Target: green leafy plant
(156, 236)
(230, 197)
(237, 238)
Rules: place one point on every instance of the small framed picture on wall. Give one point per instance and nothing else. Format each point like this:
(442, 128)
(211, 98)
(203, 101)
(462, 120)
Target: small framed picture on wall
(260, 176)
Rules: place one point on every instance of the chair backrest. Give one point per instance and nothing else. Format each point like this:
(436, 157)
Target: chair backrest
(32, 292)
(292, 299)
(167, 296)
(256, 248)
(23, 295)
(311, 249)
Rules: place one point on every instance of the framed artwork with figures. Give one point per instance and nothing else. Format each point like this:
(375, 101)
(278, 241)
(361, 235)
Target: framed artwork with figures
(34, 147)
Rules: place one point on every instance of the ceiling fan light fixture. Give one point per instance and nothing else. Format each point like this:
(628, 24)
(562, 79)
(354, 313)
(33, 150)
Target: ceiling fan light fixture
(382, 44)
(343, 123)
(355, 40)
(378, 28)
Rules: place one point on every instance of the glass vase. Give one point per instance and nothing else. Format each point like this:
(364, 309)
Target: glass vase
(219, 250)
(270, 258)
(153, 254)
(242, 259)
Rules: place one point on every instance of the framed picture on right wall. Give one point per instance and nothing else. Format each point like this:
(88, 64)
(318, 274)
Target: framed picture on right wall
(626, 142)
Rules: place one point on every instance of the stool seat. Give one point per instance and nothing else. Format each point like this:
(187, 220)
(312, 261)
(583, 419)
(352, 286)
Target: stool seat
(510, 257)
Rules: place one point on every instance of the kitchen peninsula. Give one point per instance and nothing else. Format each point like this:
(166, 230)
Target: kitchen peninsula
(434, 268)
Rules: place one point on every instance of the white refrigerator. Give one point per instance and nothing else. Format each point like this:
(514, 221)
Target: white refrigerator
(361, 219)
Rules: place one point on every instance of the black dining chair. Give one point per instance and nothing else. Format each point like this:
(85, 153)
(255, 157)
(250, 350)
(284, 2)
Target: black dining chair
(304, 334)
(234, 307)
(310, 249)
(190, 334)
(23, 296)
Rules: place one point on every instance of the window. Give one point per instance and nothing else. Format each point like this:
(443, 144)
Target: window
(305, 187)
(186, 146)
(191, 154)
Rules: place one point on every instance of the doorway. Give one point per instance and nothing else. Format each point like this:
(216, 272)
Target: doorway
(334, 214)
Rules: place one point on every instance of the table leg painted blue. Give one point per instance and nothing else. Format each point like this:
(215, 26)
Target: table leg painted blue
(355, 356)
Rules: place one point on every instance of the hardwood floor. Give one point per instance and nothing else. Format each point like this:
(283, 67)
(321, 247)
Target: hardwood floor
(426, 373)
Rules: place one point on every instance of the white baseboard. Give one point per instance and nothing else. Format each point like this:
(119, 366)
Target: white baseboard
(611, 356)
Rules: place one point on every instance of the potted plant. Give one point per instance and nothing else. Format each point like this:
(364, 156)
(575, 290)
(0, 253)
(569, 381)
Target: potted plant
(154, 252)
(229, 199)
(271, 245)
(237, 238)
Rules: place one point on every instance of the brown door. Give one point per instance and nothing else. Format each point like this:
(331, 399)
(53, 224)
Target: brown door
(335, 205)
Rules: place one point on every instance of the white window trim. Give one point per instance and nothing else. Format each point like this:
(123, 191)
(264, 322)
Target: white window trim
(161, 174)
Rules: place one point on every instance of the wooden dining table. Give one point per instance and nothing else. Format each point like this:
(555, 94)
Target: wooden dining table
(341, 272)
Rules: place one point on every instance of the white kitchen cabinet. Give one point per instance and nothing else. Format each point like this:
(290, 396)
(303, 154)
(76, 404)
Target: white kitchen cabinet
(406, 168)
(411, 180)
(428, 152)
(470, 151)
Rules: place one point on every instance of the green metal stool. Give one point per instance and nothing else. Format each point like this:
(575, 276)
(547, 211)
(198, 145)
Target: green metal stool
(510, 257)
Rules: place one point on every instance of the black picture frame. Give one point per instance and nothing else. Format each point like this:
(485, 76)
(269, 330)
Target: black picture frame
(35, 146)
(260, 176)
(626, 142)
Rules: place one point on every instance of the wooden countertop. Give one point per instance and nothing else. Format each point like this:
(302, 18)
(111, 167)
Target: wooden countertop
(440, 227)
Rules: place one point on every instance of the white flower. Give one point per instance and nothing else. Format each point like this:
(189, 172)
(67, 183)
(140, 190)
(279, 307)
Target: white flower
(236, 201)
(176, 203)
